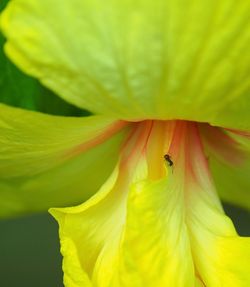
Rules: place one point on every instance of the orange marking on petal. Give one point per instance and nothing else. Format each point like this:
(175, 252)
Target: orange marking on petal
(222, 145)
(98, 139)
(240, 133)
(135, 142)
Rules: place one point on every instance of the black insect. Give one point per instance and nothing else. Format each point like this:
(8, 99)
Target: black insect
(167, 158)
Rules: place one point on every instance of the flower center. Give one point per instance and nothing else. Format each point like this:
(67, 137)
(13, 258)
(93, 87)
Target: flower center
(157, 221)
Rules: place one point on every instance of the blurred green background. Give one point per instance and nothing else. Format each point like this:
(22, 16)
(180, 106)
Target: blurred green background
(29, 252)
(29, 246)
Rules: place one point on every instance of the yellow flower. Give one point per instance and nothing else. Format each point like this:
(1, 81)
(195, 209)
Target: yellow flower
(170, 82)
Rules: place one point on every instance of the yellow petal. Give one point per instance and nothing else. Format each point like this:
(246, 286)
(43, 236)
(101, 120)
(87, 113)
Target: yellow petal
(155, 229)
(95, 227)
(129, 235)
(232, 182)
(221, 257)
(156, 247)
(49, 160)
(91, 228)
(72, 266)
(229, 160)
(185, 59)
(147, 244)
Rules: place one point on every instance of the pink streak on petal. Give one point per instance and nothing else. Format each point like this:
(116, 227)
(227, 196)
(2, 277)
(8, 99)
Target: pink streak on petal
(197, 159)
(111, 130)
(222, 145)
(136, 141)
(174, 147)
(240, 133)
(190, 162)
